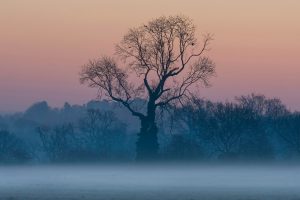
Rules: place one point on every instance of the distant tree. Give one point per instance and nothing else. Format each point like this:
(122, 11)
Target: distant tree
(41, 113)
(97, 122)
(260, 142)
(256, 142)
(288, 129)
(3, 123)
(194, 116)
(191, 121)
(226, 128)
(239, 132)
(67, 107)
(57, 142)
(230, 130)
(163, 60)
(263, 106)
(37, 110)
(12, 149)
(103, 133)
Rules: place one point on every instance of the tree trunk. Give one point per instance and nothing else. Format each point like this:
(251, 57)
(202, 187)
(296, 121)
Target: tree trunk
(147, 143)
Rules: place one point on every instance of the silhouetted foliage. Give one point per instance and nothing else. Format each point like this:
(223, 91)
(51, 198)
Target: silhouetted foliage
(231, 131)
(250, 128)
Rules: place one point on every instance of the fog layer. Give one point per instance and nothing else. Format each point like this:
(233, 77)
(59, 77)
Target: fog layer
(150, 182)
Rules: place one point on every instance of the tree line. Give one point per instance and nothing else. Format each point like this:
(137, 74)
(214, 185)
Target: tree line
(250, 128)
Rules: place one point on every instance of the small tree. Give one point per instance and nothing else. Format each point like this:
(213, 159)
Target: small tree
(163, 60)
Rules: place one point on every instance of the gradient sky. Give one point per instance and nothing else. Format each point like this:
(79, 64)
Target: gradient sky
(43, 43)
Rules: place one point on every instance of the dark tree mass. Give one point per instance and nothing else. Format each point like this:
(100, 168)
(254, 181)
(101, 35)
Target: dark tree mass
(251, 128)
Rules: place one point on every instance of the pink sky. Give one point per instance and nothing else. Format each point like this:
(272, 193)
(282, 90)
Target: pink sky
(44, 43)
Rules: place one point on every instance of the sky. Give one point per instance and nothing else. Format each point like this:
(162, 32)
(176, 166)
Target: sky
(43, 45)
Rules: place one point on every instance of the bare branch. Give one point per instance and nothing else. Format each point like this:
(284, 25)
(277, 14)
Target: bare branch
(165, 57)
(105, 75)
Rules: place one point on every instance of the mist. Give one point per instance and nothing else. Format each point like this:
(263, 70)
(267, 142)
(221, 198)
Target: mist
(172, 181)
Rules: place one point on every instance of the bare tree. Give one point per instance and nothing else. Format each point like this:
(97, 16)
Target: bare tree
(57, 142)
(262, 106)
(163, 60)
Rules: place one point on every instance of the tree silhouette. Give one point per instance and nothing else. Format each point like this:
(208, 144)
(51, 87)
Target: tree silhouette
(160, 62)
